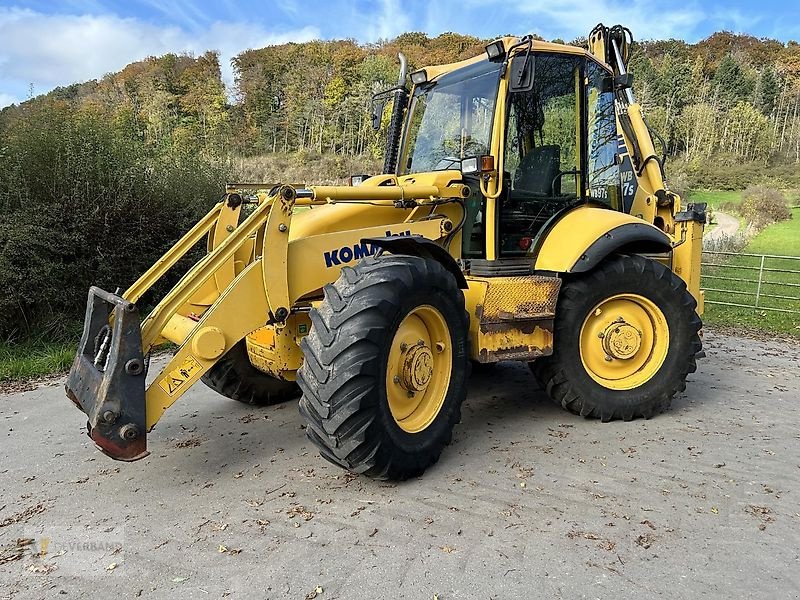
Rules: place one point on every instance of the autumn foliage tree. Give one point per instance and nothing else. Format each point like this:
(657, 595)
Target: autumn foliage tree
(97, 178)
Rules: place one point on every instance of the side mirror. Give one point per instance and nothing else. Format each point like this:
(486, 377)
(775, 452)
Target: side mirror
(623, 82)
(520, 77)
(378, 107)
(613, 83)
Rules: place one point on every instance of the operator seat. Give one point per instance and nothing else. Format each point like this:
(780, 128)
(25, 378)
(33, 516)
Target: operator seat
(537, 171)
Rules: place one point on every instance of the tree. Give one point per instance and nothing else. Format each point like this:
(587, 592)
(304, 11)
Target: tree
(730, 83)
(768, 90)
(697, 130)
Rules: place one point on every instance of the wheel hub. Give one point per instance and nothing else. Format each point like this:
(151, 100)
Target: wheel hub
(622, 340)
(417, 368)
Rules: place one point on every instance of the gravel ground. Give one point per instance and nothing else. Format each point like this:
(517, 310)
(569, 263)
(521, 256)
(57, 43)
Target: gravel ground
(727, 226)
(529, 501)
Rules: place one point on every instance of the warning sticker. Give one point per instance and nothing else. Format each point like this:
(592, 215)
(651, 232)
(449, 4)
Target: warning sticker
(176, 378)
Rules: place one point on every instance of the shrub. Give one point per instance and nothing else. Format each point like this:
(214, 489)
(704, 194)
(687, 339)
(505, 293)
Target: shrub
(729, 206)
(762, 206)
(83, 201)
(728, 173)
(679, 183)
(725, 243)
(325, 169)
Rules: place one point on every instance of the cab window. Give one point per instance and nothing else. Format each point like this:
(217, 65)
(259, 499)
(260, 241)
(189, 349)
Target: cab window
(542, 156)
(603, 170)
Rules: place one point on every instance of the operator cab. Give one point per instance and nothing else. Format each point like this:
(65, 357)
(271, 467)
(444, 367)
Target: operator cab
(546, 160)
(549, 164)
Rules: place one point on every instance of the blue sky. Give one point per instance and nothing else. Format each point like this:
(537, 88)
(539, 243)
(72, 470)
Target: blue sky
(47, 43)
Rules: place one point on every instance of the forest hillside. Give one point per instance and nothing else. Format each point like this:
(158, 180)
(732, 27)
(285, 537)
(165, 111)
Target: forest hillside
(98, 178)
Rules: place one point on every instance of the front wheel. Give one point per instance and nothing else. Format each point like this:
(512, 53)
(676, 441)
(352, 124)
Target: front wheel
(235, 377)
(625, 339)
(385, 366)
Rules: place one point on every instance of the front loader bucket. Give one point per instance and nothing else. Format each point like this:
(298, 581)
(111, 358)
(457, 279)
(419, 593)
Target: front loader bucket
(107, 379)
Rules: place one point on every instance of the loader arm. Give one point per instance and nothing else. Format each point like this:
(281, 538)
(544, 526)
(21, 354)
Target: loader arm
(107, 378)
(213, 308)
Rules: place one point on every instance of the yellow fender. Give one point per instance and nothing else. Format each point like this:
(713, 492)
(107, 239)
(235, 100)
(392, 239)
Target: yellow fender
(585, 235)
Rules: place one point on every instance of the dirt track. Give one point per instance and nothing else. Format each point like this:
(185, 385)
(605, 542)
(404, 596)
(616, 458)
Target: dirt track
(529, 501)
(727, 226)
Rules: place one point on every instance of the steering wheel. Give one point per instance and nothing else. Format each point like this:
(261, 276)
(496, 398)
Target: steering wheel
(558, 177)
(448, 162)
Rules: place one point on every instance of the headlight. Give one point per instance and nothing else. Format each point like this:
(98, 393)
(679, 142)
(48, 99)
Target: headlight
(496, 49)
(418, 77)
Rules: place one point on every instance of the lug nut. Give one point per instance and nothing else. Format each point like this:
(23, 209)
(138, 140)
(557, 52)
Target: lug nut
(109, 416)
(396, 379)
(129, 432)
(403, 347)
(608, 358)
(133, 366)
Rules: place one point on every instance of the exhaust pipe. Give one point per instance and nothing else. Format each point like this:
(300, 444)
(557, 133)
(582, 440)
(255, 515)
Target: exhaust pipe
(396, 122)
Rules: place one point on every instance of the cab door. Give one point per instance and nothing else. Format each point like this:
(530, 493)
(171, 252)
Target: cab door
(543, 160)
(561, 148)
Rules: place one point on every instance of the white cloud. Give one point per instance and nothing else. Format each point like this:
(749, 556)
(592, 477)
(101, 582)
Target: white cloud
(52, 50)
(7, 100)
(567, 19)
(390, 20)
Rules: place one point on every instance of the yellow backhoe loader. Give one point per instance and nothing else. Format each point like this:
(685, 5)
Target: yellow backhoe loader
(522, 215)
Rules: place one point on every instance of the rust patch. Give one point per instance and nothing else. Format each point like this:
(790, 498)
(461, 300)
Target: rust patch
(526, 326)
(523, 341)
(479, 312)
(521, 353)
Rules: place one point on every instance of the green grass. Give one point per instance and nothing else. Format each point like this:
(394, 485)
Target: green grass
(714, 197)
(780, 239)
(34, 358)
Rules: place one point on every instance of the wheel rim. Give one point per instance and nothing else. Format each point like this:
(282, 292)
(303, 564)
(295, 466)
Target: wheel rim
(624, 341)
(419, 368)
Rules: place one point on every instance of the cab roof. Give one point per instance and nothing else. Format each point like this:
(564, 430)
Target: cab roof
(434, 71)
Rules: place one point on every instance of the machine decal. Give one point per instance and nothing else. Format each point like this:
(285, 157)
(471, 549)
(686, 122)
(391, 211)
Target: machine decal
(176, 378)
(627, 176)
(346, 254)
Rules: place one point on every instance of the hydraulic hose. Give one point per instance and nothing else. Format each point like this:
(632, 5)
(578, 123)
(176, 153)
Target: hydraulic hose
(396, 121)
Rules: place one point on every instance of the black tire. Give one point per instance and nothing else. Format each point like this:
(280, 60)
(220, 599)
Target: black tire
(343, 377)
(236, 378)
(564, 375)
(479, 367)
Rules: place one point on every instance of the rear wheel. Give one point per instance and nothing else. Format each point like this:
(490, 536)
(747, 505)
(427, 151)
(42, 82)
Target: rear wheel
(385, 366)
(625, 339)
(236, 378)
